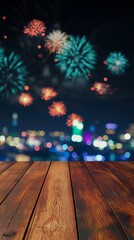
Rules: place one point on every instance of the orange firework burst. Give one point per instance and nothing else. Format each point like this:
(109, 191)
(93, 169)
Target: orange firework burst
(102, 88)
(72, 117)
(25, 99)
(34, 28)
(48, 93)
(57, 109)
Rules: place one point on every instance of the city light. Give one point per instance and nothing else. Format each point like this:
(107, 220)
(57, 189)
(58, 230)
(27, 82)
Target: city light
(127, 136)
(77, 145)
(76, 138)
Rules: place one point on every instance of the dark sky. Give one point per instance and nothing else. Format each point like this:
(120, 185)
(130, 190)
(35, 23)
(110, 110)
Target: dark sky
(108, 25)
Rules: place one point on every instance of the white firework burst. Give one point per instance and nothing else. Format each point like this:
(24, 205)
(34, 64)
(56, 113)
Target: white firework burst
(55, 41)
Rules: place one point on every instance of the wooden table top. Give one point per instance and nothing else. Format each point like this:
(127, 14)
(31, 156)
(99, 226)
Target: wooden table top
(67, 200)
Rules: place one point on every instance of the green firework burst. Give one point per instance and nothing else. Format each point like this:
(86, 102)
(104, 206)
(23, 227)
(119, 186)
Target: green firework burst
(77, 58)
(116, 63)
(13, 74)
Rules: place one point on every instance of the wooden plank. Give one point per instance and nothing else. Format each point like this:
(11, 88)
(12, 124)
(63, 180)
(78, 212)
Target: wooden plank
(10, 177)
(94, 218)
(54, 217)
(5, 165)
(124, 172)
(126, 166)
(119, 197)
(16, 210)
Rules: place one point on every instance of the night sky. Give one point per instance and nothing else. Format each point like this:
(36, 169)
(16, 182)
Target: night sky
(108, 25)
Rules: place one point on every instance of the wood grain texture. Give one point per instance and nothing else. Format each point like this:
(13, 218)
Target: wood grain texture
(5, 165)
(10, 177)
(124, 172)
(119, 197)
(94, 218)
(126, 166)
(16, 210)
(54, 217)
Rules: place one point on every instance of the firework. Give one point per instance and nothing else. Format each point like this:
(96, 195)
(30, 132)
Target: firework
(12, 74)
(116, 63)
(55, 41)
(34, 28)
(77, 59)
(102, 88)
(48, 93)
(25, 99)
(73, 117)
(57, 109)
(1, 54)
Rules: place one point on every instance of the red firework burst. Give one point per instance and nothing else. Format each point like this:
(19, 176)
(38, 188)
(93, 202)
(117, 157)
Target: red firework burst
(34, 28)
(48, 93)
(25, 99)
(72, 117)
(57, 109)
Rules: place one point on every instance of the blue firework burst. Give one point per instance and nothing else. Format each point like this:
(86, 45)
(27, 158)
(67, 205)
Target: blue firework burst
(12, 74)
(77, 58)
(116, 63)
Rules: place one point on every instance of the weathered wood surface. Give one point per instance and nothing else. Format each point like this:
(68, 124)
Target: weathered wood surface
(116, 192)
(54, 216)
(95, 219)
(67, 200)
(10, 177)
(4, 166)
(16, 210)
